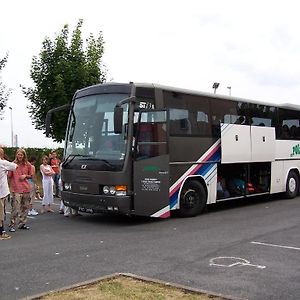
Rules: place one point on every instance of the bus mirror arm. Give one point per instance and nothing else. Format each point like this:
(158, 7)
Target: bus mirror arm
(49, 116)
(118, 114)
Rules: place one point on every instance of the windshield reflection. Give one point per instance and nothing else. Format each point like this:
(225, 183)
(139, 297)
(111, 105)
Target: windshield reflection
(91, 130)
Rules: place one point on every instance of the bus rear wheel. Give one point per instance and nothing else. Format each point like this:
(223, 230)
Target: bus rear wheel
(292, 185)
(192, 199)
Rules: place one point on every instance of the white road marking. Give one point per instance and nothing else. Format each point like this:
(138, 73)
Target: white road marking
(231, 261)
(274, 245)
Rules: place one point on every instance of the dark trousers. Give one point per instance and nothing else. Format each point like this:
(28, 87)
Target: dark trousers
(56, 183)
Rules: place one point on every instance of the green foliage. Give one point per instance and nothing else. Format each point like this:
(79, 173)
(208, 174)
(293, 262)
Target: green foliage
(59, 71)
(4, 92)
(10, 154)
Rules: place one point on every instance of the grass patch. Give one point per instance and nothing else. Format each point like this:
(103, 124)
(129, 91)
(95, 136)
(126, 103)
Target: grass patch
(127, 288)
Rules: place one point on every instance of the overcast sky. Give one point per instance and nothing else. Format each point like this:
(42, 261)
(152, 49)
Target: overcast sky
(251, 46)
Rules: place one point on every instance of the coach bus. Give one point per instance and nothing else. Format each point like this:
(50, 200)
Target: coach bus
(148, 150)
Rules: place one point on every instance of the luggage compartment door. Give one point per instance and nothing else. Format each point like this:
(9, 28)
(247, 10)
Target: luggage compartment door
(235, 143)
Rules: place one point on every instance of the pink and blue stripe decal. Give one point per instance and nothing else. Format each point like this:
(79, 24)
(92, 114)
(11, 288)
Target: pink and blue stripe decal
(203, 168)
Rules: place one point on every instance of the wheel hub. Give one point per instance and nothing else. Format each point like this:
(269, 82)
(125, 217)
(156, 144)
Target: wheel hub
(292, 185)
(190, 198)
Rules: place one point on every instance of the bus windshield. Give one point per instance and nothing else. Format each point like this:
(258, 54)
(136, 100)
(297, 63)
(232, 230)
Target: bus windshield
(91, 131)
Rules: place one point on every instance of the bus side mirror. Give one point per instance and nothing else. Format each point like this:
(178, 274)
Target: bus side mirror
(118, 119)
(49, 116)
(48, 122)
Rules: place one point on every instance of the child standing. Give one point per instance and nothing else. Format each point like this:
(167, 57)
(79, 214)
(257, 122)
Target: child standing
(33, 182)
(47, 173)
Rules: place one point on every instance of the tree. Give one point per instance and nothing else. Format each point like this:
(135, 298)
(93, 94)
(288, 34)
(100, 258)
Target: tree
(62, 67)
(4, 92)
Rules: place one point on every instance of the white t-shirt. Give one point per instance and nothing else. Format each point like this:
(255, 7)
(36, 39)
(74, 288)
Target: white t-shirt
(4, 167)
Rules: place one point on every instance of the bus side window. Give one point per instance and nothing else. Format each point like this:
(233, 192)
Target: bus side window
(145, 135)
(241, 120)
(285, 132)
(294, 131)
(215, 125)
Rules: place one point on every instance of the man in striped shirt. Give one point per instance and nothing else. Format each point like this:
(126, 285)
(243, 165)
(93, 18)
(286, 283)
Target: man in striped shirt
(5, 166)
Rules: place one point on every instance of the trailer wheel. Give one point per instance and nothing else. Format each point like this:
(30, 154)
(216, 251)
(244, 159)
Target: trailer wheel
(192, 199)
(292, 185)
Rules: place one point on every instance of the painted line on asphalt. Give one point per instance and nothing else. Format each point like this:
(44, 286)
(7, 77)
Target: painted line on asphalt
(276, 246)
(231, 261)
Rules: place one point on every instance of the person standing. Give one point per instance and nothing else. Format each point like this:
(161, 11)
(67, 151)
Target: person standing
(20, 189)
(33, 182)
(54, 163)
(5, 166)
(47, 173)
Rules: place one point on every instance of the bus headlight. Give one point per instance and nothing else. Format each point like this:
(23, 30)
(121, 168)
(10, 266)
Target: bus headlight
(67, 186)
(117, 190)
(106, 189)
(112, 190)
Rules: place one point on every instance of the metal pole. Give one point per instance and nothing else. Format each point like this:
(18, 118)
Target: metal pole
(215, 86)
(11, 127)
(229, 88)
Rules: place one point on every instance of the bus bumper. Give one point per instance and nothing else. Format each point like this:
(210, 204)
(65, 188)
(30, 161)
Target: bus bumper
(97, 203)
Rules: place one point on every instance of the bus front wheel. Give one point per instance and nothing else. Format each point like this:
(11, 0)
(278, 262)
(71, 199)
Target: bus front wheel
(192, 199)
(292, 185)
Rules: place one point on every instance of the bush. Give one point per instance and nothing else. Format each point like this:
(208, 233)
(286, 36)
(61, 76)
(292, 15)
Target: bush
(10, 154)
(37, 152)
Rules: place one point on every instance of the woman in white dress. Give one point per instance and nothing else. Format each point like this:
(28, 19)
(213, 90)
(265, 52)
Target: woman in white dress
(47, 173)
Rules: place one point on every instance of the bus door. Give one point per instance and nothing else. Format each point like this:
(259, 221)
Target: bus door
(151, 165)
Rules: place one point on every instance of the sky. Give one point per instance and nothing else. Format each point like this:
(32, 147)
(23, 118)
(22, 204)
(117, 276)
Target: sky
(252, 46)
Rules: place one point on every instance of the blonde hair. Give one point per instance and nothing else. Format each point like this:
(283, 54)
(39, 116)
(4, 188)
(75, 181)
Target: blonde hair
(46, 158)
(25, 160)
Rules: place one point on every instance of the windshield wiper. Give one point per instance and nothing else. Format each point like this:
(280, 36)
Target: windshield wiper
(103, 160)
(70, 158)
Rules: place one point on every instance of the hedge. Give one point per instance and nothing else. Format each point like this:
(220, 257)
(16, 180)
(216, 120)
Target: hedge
(37, 152)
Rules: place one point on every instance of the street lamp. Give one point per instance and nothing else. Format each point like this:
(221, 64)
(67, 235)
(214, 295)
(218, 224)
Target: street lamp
(229, 88)
(215, 86)
(11, 127)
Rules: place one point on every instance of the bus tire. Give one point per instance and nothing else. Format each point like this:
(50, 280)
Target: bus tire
(192, 199)
(292, 185)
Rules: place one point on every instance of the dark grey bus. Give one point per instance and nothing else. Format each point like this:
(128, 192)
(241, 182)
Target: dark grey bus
(147, 150)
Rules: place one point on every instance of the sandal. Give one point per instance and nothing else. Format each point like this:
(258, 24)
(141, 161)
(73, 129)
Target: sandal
(24, 227)
(4, 236)
(11, 229)
(50, 210)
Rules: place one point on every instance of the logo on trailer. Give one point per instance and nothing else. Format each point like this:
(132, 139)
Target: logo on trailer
(83, 167)
(296, 150)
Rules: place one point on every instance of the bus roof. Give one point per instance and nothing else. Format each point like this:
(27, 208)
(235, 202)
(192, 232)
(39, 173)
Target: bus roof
(218, 96)
(194, 92)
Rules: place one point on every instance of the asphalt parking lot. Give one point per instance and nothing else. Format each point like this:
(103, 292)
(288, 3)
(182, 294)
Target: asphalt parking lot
(248, 250)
